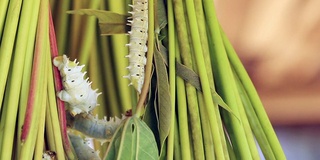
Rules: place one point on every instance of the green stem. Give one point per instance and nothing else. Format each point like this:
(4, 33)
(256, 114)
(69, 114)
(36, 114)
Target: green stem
(254, 123)
(15, 79)
(7, 43)
(193, 107)
(27, 70)
(89, 32)
(254, 99)
(172, 79)
(52, 113)
(182, 113)
(3, 11)
(119, 52)
(226, 81)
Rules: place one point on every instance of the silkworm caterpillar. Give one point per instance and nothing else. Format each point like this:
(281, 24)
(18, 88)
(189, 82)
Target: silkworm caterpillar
(83, 151)
(137, 45)
(77, 91)
(100, 129)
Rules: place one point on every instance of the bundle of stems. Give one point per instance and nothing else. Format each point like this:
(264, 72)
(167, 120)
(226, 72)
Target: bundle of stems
(198, 99)
(206, 128)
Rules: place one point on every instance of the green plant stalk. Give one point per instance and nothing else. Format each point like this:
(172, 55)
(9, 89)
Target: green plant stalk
(110, 88)
(7, 43)
(53, 114)
(112, 100)
(61, 24)
(177, 147)
(182, 113)
(89, 35)
(206, 54)
(204, 79)
(75, 30)
(3, 11)
(96, 78)
(26, 78)
(42, 118)
(172, 80)
(38, 88)
(119, 52)
(255, 123)
(15, 79)
(207, 135)
(226, 81)
(232, 156)
(193, 108)
(148, 70)
(37, 68)
(49, 129)
(254, 99)
(247, 129)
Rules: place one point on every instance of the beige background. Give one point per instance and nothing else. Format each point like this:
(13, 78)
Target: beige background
(279, 43)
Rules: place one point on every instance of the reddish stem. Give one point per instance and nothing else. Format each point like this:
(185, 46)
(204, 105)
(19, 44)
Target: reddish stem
(32, 94)
(58, 86)
(34, 81)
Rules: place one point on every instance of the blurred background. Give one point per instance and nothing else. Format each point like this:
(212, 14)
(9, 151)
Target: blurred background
(278, 42)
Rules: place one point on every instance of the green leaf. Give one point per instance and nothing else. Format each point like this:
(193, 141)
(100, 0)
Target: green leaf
(164, 100)
(109, 22)
(133, 140)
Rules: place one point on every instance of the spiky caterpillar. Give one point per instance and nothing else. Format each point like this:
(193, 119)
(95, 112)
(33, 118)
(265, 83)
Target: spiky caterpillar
(83, 151)
(77, 91)
(137, 45)
(91, 126)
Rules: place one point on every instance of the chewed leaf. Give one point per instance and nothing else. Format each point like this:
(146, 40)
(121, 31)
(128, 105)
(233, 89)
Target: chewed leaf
(109, 22)
(133, 140)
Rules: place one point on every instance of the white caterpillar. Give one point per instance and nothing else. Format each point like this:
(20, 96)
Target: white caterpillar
(137, 46)
(77, 90)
